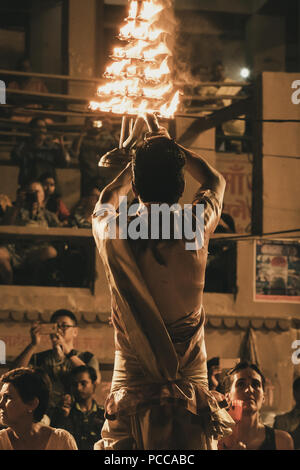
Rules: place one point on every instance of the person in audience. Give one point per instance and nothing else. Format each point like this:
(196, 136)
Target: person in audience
(81, 216)
(244, 387)
(290, 421)
(5, 203)
(28, 210)
(53, 201)
(24, 397)
(221, 264)
(58, 361)
(39, 154)
(213, 372)
(25, 83)
(83, 417)
(88, 148)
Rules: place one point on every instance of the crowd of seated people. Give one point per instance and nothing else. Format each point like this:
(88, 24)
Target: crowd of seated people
(28, 421)
(47, 399)
(38, 200)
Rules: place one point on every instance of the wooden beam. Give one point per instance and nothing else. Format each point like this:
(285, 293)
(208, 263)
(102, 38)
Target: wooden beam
(50, 76)
(215, 119)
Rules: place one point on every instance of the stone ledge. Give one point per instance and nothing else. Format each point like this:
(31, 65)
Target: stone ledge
(242, 323)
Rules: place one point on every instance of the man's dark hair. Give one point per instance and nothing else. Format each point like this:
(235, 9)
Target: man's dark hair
(63, 313)
(228, 381)
(34, 121)
(296, 384)
(157, 170)
(30, 384)
(81, 369)
(46, 175)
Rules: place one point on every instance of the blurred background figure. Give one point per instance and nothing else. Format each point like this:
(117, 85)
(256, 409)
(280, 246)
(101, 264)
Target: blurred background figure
(220, 270)
(245, 385)
(96, 139)
(25, 83)
(25, 257)
(24, 397)
(290, 421)
(5, 203)
(39, 153)
(53, 200)
(82, 417)
(58, 361)
(81, 215)
(213, 372)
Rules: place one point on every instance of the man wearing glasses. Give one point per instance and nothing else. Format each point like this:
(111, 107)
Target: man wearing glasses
(62, 358)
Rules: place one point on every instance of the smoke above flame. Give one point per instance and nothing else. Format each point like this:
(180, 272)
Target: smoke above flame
(139, 79)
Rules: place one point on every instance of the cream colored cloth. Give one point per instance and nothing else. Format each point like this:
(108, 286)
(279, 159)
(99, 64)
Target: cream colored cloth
(159, 387)
(59, 440)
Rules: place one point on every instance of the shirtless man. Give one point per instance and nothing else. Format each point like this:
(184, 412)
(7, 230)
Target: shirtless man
(159, 397)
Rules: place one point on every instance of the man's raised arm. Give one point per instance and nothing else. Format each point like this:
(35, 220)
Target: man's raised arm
(204, 173)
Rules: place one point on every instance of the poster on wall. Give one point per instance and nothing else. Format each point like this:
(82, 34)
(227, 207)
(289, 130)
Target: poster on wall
(237, 170)
(277, 271)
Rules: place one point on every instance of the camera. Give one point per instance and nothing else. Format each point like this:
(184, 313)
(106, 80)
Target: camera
(31, 197)
(48, 328)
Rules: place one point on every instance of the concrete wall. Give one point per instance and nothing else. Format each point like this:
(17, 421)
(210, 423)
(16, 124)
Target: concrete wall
(46, 40)
(82, 47)
(280, 140)
(12, 48)
(265, 43)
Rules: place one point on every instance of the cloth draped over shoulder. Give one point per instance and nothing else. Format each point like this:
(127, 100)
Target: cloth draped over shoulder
(155, 363)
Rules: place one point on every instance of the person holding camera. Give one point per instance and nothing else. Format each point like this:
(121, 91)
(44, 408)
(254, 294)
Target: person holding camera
(58, 361)
(28, 210)
(39, 153)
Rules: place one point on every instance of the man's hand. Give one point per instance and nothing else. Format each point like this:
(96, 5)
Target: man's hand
(66, 404)
(60, 341)
(135, 133)
(35, 334)
(155, 130)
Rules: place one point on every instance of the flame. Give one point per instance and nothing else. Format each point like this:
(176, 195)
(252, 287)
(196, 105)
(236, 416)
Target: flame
(169, 111)
(140, 31)
(117, 67)
(156, 74)
(133, 9)
(161, 49)
(140, 74)
(149, 10)
(157, 92)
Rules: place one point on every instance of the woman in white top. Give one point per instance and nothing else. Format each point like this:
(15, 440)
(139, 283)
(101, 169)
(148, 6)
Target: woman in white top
(24, 397)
